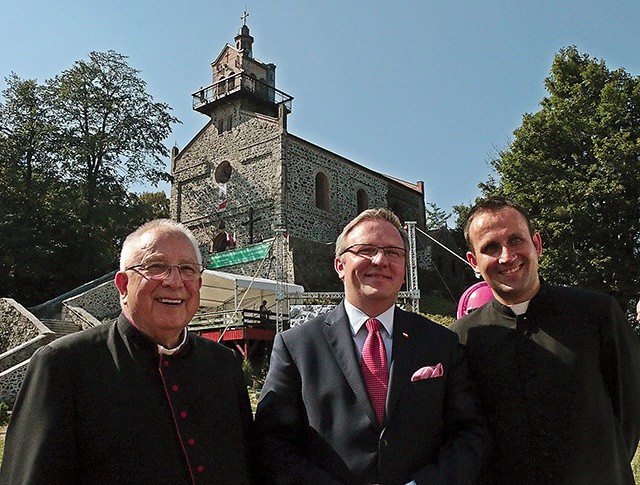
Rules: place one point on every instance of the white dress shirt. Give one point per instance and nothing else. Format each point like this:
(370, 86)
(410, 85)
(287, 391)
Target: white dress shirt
(357, 319)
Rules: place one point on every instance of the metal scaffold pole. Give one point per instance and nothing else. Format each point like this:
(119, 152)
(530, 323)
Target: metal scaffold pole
(280, 250)
(412, 268)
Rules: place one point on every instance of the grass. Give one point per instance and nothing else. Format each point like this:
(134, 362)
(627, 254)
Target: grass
(3, 430)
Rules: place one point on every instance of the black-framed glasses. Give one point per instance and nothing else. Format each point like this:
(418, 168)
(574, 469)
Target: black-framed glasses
(370, 251)
(159, 270)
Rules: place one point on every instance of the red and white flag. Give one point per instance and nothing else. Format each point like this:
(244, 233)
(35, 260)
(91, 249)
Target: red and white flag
(222, 206)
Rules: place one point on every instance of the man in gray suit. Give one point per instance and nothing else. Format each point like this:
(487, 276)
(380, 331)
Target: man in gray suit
(320, 421)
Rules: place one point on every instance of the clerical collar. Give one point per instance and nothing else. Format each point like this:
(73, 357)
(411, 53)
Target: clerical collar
(520, 308)
(165, 351)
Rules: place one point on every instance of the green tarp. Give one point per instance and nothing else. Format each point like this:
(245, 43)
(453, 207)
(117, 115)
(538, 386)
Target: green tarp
(238, 256)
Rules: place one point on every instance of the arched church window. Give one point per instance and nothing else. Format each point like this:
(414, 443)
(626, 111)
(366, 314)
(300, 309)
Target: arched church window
(363, 200)
(223, 172)
(322, 191)
(231, 82)
(397, 210)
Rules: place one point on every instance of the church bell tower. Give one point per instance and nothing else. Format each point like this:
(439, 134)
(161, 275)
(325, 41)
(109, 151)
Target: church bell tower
(241, 82)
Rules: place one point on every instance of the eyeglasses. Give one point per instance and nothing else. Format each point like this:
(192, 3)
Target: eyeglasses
(370, 251)
(160, 270)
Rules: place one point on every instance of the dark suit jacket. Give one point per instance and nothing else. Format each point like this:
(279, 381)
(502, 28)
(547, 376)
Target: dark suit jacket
(316, 424)
(103, 407)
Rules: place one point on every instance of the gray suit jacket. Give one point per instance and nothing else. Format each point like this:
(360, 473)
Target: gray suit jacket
(316, 424)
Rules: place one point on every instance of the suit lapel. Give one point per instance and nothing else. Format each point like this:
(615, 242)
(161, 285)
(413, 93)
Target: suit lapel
(340, 340)
(402, 356)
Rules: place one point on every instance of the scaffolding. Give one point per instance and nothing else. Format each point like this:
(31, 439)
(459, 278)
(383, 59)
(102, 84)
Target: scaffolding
(281, 251)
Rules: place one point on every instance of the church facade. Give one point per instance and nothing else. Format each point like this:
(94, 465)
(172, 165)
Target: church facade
(243, 176)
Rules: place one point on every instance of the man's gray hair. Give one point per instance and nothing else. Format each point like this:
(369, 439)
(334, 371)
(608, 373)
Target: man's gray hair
(371, 214)
(130, 245)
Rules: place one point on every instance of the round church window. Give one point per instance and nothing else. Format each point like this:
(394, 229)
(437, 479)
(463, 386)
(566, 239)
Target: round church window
(223, 172)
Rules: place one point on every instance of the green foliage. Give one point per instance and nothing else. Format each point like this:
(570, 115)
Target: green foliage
(444, 320)
(247, 370)
(157, 204)
(254, 374)
(4, 413)
(69, 149)
(433, 305)
(436, 218)
(573, 166)
(110, 128)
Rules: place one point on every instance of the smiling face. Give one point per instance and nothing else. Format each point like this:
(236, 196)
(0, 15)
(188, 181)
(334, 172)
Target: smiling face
(372, 285)
(160, 308)
(505, 254)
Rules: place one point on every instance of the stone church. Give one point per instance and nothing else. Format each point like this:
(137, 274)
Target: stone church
(244, 176)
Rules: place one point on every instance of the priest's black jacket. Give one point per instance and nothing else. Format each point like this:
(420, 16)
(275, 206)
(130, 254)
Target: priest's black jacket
(560, 385)
(103, 406)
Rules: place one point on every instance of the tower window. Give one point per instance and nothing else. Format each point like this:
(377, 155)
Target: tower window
(322, 191)
(224, 124)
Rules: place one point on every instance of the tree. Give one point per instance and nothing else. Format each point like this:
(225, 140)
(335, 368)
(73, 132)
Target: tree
(157, 204)
(36, 206)
(26, 130)
(436, 218)
(69, 150)
(573, 166)
(111, 131)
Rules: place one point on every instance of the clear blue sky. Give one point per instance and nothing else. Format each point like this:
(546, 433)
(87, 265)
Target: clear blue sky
(420, 90)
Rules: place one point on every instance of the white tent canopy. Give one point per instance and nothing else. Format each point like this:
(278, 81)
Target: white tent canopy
(227, 291)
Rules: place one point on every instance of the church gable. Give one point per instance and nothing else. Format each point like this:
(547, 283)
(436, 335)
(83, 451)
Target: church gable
(231, 62)
(228, 63)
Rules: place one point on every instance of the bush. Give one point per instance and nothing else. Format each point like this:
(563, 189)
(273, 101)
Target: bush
(247, 370)
(4, 413)
(434, 305)
(444, 320)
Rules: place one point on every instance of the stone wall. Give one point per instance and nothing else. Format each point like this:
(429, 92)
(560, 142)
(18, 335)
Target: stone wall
(82, 318)
(253, 151)
(17, 325)
(313, 264)
(10, 382)
(103, 302)
(21, 334)
(303, 162)
(267, 178)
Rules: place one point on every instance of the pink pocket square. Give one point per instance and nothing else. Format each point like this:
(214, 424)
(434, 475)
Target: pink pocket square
(428, 372)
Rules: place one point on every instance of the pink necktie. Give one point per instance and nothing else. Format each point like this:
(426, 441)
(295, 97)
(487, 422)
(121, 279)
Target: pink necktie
(374, 367)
